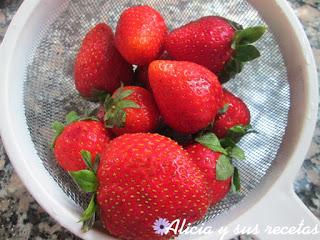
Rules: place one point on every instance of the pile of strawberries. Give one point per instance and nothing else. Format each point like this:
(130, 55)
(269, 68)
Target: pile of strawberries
(163, 137)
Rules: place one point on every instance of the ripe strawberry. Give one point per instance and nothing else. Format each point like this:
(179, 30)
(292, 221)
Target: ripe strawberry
(236, 114)
(188, 95)
(140, 34)
(216, 43)
(206, 160)
(79, 134)
(130, 110)
(98, 65)
(143, 177)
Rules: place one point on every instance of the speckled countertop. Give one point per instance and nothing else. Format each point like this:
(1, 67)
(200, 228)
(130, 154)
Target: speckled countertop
(22, 218)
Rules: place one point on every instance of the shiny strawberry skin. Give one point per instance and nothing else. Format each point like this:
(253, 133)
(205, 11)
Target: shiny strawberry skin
(140, 34)
(143, 177)
(206, 41)
(98, 64)
(237, 114)
(143, 119)
(188, 95)
(77, 136)
(206, 160)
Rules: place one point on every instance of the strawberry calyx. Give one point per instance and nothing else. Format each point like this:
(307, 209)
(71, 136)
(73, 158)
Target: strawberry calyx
(88, 216)
(115, 105)
(210, 126)
(235, 133)
(224, 109)
(96, 95)
(87, 181)
(71, 117)
(236, 26)
(244, 51)
(229, 143)
(211, 141)
(99, 95)
(224, 167)
(235, 182)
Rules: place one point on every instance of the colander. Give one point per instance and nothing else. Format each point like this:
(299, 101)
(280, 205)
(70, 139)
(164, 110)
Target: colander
(280, 88)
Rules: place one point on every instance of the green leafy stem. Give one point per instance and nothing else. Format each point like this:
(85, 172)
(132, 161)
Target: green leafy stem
(71, 117)
(87, 181)
(229, 150)
(115, 106)
(244, 51)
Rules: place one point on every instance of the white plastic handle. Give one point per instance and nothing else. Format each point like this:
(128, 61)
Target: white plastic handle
(281, 215)
(278, 216)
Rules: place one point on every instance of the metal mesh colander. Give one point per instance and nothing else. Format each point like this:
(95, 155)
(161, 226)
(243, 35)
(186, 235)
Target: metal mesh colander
(49, 91)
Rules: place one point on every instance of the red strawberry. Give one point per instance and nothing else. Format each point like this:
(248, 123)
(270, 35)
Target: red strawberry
(140, 34)
(188, 95)
(98, 65)
(207, 159)
(216, 43)
(77, 136)
(143, 177)
(130, 110)
(236, 114)
(206, 41)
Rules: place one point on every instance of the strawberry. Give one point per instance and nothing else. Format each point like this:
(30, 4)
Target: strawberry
(78, 135)
(188, 95)
(98, 65)
(206, 160)
(216, 43)
(216, 163)
(131, 109)
(235, 116)
(140, 34)
(143, 177)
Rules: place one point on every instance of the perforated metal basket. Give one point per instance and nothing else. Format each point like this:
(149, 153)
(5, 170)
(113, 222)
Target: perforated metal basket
(280, 89)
